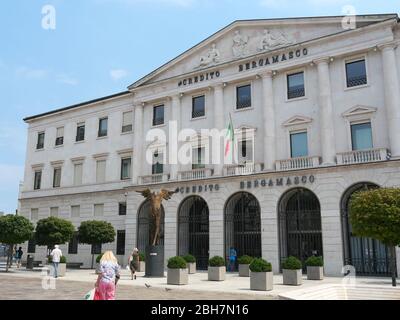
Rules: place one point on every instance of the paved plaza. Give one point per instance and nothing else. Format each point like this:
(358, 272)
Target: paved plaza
(23, 284)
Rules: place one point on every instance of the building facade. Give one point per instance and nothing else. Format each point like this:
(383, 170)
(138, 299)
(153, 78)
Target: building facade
(315, 116)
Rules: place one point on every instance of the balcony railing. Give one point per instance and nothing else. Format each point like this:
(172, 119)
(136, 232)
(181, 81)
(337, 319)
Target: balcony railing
(297, 163)
(154, 178)
(195, 174)
(362, 156)
(242, 169)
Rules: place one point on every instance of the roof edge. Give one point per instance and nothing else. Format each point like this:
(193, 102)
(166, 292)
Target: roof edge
(27, 119)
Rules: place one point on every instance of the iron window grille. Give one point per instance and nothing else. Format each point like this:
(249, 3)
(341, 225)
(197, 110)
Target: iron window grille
(198, 107)
(158, 115)
(122, 209)
(243, 97)
(121, 242)
(296, 90)
(356, 73)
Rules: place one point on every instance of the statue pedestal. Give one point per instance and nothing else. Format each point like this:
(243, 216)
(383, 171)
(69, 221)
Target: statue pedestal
(155, 261)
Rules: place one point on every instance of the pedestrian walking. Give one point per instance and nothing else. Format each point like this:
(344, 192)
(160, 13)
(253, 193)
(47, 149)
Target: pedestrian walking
(133, 262)
(56, 255)
(109, 273)
(232, 259)
(18, 257)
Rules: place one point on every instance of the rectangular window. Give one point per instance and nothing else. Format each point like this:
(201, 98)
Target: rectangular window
(122, 209)
(356, 73)
(96, 249)
(158, 163)
(73, 244)
(198, 107)
(80, 132)
(40, 141)
(198, 155)
(60, 136)
(103, 127)
(32, 244)
(34, 214)
(54, 212)
(158, 115)
(57, 178)
(361, 136)
(98, 210)
(78, 170)
(125, 168)
(295, 85)
(245, 150)
(121, 242)
(38, 180)
(75, 211)
(243, 97)
(100, 171)
(127, 121)
(298, 145)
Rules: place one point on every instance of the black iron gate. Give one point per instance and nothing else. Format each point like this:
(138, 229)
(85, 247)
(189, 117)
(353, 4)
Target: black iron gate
(368, 256)
(144, 225)
(243, 225)
(300, 225)
(193, 230)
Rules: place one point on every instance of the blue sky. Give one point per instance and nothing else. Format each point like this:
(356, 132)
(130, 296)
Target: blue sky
(99, 47)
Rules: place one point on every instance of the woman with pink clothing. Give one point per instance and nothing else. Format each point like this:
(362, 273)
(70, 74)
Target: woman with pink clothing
(109, 272)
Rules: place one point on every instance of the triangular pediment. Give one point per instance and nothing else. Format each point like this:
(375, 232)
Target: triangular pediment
(358, 110)
(297, 120)
(246, 38)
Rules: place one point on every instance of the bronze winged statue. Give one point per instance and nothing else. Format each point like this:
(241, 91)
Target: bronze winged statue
(155, 203)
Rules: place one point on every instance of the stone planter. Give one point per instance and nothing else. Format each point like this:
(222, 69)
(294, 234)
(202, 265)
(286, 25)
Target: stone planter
(292, 277)
(315, 273)
(142, 266)
(191, 267)
(216, 273)
(244, 270)
(177, 276)
(261, 281)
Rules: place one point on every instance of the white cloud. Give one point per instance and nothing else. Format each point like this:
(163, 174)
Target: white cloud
(31, 73)
(67, 79)
(117, 74)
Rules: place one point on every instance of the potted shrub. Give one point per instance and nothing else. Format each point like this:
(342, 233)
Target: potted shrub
(261, 276)
(315, 268)
(142, 262)
(216, 269)
(244, 263)
(98, 263)
(292, 272)
(191, 263)
(177, 271)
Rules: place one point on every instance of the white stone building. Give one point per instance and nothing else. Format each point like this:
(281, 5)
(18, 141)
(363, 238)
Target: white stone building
(316, 112)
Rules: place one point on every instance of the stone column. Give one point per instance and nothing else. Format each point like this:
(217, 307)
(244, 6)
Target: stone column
(326, 112)
(269, 121)
(219, 123)
(137, 144)
(392, 97)
(174, 145)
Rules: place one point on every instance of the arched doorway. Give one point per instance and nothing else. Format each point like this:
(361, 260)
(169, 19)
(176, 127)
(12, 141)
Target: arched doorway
(144, 226)
(300, 230)
(243, 225)
(193, 230)
(368, 256)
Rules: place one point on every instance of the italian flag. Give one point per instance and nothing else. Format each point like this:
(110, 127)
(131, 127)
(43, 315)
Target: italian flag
(230, 136)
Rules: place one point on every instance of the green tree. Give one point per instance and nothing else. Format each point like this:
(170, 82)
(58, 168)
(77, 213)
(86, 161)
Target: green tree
(96, 233)
(52, 231)
(14, 229)
(376, 214)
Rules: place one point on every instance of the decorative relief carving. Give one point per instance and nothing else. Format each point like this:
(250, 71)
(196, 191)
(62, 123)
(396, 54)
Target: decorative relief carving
(273, 39)
(212, 57)
(240, 43)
